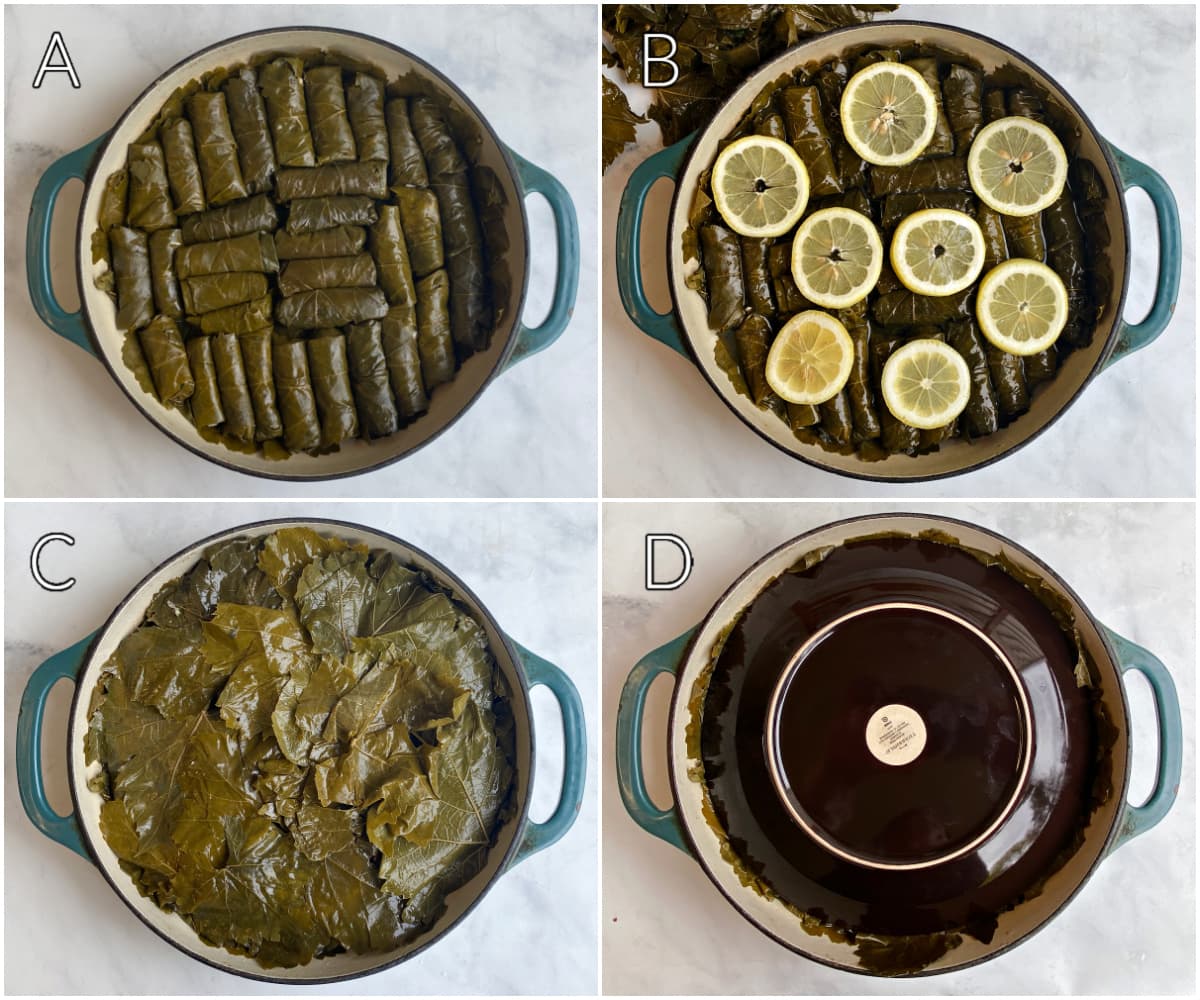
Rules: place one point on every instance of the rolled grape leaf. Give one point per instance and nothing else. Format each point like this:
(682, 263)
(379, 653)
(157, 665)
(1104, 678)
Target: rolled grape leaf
(297, 402)
(364, 105)
(281, 83)
(1025, 236)
(897, 206)
(206, 400)
(369, 378)
(216, 149)
(131, 268)
(897, 437)
(256, 214)
(166, 357)
(243, 318)
(421, 222)
(757, 275)
(1008, 378)
(722, 254)
(753, 339)
(982, 415)
(859, 391)
(399, 338)
(149, 204)
(331, 307)
(905, 308)
(407, 162)
(206, 293)
(333, 138)
(340, 241)
(183, 172)
(942, 142)
(945, 173)
(260, 378)
(327, 272)
(434, 339)
(330, 371)
(805, 124)
(390, 251)
(962, 91)
(235, 392)
(252, 252)
(251, 132)
(368, 179)
(307, 215)
(163, 245)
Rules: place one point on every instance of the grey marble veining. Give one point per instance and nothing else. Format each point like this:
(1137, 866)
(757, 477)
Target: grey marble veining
(666, 928)
(1131, 433)
(531, 71)
(532, 565)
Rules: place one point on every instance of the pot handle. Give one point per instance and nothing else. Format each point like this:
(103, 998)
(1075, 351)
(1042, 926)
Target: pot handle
(37, 243)
(1137, 820)
(535, 180)
(537, 836)
(1134, 336)
(64, 829)
(631, 779)
(661, 326)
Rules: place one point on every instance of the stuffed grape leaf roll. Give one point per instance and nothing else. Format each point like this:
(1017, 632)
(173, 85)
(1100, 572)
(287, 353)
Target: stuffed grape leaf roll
(942, 143)
(407, 162)
(421, 223)
(206, 399)
(256, 214)
(470, 318)
(333, 138)
(897, 206)
(805, 124)
(183, 171)
(982, 415)
(1066, 254)
(945, 173)
(149, 206)
(235, 393)
(166, 357)
(307, 215)
(399, 336)
(364, 105)
(962, 92)
(753, 340)
(131, 269)
(336, 178)
(260, 377)
(207, 293)
(897, 437)
(331, 307)
(837, 420)
(787, 294)
(390, 251)
(905, 308)
(243, 318)
(1025, 103)
(434, 339)
(1041, 367)
(327, 272)
(216, 149)
(164, 282)
(251, 252)
(340, 241)
(995, 243)
(757, 275)
(369, 379)
(722, 254)
(994, 107)
(863, 411)
(1025, 236)
(281, 83)
(251, 132)
(1008, 378)
(329, 368)
(297, 401)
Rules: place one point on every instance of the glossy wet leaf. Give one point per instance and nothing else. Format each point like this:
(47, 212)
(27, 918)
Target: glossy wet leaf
(283, 697)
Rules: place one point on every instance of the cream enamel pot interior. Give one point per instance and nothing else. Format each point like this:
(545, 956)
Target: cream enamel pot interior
(94, 327)
(686, 329)
(519, 838)
(686, 825)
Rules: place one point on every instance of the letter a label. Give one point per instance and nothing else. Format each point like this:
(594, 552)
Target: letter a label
(56, 59)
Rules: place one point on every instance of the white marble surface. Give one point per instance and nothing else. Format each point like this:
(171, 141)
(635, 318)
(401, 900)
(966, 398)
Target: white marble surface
(531, 71)
(1131, 433)
(532, 565)
(666, 929)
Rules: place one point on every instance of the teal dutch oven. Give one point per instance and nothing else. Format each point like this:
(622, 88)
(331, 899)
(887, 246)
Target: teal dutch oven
(685, 329)
(813, 910)
(94, 328)
(518, 839)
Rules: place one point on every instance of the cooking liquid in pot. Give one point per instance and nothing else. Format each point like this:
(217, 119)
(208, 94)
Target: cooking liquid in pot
(971, 728)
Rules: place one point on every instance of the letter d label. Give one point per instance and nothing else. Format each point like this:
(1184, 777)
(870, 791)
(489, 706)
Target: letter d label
(647, 59)
(652, 581)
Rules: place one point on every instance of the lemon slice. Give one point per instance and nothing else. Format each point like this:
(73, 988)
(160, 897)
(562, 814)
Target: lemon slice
(888, 113)
(760, 186)
(1017, 166)
(836, 257)
(926, 384)
(937, 251)
(1021, 306)
(811, 358)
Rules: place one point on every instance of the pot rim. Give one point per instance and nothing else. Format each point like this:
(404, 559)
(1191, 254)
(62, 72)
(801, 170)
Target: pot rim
(82, 240)
(674, 263)
(518, 821)
(679, 701)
